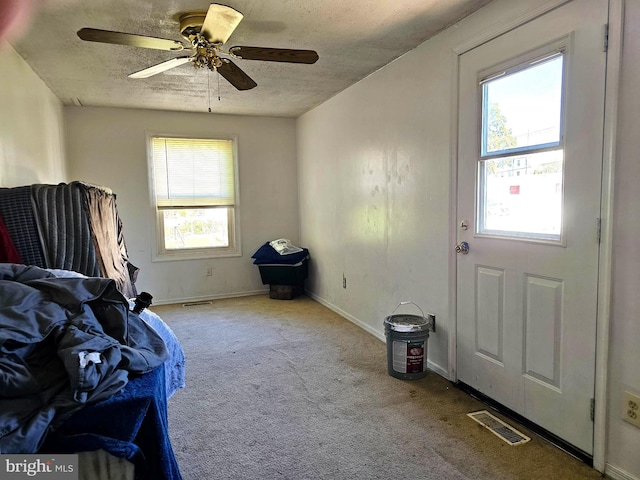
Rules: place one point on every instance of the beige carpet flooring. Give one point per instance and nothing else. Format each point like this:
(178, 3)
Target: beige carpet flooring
(287, 389)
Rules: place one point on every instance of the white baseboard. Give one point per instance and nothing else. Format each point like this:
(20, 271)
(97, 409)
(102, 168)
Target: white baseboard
(616, 473)
(438, 369)
(379, 335)
(219, 296)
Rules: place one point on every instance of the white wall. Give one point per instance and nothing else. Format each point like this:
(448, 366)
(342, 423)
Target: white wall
(374, 178)
(374, 183)
(624, 364)
(31, 125)
(375, 165)
(107, 146)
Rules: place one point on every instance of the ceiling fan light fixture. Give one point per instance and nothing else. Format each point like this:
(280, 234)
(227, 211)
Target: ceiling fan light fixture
(207, 31)
(191, 24)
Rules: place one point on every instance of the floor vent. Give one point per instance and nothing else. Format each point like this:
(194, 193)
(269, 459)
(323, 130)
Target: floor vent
(499, 428)
(195, 304)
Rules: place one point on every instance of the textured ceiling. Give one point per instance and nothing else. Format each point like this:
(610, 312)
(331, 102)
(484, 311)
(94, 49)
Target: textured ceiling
(353, 39)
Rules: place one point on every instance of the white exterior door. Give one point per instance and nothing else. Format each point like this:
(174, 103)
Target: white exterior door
(529, 180)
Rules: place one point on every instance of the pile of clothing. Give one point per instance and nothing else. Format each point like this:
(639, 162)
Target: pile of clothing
(65, 343)
(280, 252)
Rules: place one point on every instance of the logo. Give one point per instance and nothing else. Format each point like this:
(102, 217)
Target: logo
(54, 467)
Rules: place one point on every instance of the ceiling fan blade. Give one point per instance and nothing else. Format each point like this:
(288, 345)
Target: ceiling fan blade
(119, 38)
(235, 76)
(275, 54)
(220, 23)
(161, 67)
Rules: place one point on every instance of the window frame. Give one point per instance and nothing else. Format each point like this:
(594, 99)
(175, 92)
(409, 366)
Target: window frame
(162, 254)
(522, 62)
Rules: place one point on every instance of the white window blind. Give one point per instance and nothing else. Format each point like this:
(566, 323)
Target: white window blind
(193, 172)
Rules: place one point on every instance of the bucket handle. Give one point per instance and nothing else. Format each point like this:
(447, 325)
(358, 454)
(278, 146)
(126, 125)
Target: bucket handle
(430, 317)
(408, 303)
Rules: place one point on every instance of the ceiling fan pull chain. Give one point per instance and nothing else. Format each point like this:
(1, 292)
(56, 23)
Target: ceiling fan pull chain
(218, 85)
(209, 88)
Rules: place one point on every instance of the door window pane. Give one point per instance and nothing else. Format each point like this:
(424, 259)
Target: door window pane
(521, 109)
(522, 195)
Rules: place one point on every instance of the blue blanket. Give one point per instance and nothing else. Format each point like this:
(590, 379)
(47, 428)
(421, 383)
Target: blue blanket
(175, 365)
(132, 424)
(267, 255)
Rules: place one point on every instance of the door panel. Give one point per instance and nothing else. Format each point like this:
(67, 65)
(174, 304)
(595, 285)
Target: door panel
(489, 312)
(544, 300)
(527, 306)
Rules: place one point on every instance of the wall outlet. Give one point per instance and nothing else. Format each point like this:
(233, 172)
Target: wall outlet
(431, 318)
(209, 271)
(344, 281)
(631, 409)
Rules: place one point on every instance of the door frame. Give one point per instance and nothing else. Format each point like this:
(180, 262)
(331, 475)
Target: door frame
(603, 314)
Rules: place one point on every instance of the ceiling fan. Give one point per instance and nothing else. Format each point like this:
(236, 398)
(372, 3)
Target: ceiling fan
(206, 32)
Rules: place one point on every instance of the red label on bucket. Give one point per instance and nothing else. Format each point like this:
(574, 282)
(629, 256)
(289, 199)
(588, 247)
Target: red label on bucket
(415, 357)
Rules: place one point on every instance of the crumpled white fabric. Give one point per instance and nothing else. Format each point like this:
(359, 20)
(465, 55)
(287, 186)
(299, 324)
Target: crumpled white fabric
(284, 246)
(87, 358)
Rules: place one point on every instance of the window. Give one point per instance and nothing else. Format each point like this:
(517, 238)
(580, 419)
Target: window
(195, 193)
(520, 169)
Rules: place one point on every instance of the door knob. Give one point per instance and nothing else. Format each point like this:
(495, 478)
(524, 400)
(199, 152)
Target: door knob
(462, 248)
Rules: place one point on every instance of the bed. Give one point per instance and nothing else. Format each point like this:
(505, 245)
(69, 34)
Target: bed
(80, 372)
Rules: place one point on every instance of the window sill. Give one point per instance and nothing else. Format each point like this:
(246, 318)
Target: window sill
(194, 255)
